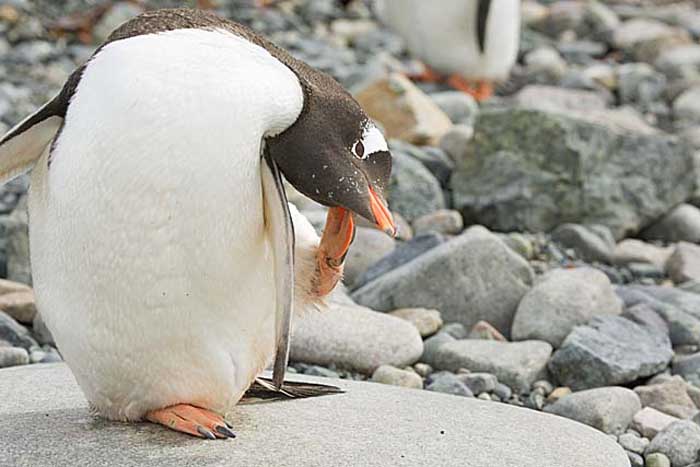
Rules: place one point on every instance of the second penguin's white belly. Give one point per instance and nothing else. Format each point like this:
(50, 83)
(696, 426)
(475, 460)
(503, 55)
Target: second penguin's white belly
(151, 263)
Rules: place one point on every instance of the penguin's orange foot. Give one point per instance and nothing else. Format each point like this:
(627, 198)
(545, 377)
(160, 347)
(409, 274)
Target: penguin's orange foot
(481, 90)
(192, 420)
(335, 242)
(427, 75)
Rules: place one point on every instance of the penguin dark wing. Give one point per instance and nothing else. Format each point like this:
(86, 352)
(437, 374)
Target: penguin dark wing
(278, 223)
(482, 17)
(26, 142)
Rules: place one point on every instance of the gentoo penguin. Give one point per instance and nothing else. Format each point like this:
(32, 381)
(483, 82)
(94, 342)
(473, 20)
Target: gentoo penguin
(475, 42)
(163, 249)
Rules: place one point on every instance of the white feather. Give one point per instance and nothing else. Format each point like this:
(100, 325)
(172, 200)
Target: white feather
(151, 263)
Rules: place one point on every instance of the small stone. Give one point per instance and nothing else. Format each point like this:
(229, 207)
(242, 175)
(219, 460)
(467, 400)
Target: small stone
(459, 107)
(556, 99)
(404, 111)
(444, 221)
(680, 62)
(456, 330)
(433, 344)
(479, 382)
(686, 108)
(682, 224)
(423, 369)
(14, 333)
(680, 442)
(558, 393)
(502, 391)
(484, 397)
(639, 84)
(545, 63)
(20, 305)
(117, 14)
(448, 383)
(588, 244)
(368, 246)
(635, 459)
(636, 251)
(41, 332)
(670, 397)
(633, 443)
(561, 300)
(428, 322)
(413, 190)
(657, 460)
(650, 421)
(456, 141)
(13, 356)
(545, 386)
(684, 263)
(51, 356)
(317, 370)
(608, 409)
(688, 366)
(387, 374)
(644, 39)
(484, 330)
(535, 401)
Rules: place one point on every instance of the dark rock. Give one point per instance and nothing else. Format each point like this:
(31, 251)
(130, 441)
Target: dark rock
(688, 366)
(14, 333)
(682, 224)
(448, 383)
(413, 191)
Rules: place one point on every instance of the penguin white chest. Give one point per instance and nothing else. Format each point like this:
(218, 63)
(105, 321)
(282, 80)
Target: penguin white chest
(150, 256)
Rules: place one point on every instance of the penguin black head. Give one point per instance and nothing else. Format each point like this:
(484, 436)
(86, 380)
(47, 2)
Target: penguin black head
(334, 154)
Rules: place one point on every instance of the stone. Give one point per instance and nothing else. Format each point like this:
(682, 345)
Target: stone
(354, 337)
(479, 382)
(630, 177)
(639, 84)
(680, 62)
(562, 299)
(684, 263)
(20, 305)
(608, 409)
(445, 221)
(670, 397)
(558, 393)
(686, 109)
(688, 366)
(649, 422)
(545, 65)
(448, 383)
(635, 459)
(657, 459)
(456, 330)
(41, 332)
(404, 111)
(458, 106)
(682, 224)
(413, 191)
(636, 251)
(643, 39)
(368, 246)
(484, 330)
(588, 244)
(517, 364)
(433, 344)
(633, 443)
(556, 99)
(402, 254)
(456, 141)
(13, 356)
(434, 159)
(502, 391)
(17, 232)
(610, 350)
(472, 277)
(14, 333)
(680, 442)
(117, 14)
(387, 374)
(428, 322)
(680, 309)
(525, 438)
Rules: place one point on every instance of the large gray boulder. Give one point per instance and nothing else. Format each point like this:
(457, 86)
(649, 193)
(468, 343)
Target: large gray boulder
(562, 299)
(470, 278)
(680, 441)
(532, 170)
(404, 427)
(517, 364)
(612, 350)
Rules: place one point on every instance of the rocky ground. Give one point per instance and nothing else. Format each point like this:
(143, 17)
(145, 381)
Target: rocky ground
(548, 254)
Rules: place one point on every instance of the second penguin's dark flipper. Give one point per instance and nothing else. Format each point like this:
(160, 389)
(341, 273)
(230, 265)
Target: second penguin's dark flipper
(262, 390)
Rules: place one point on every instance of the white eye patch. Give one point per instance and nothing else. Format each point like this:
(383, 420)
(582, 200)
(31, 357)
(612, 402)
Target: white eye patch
(372, 141)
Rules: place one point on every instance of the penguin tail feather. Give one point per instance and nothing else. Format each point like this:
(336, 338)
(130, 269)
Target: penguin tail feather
(263, 390)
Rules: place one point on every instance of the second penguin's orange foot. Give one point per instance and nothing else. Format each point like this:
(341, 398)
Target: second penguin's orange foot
(479, 90)
(192, 420)
(338, 234)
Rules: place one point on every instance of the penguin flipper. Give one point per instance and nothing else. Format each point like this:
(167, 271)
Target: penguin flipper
(263, 390)
(279, 225)
(24, 144)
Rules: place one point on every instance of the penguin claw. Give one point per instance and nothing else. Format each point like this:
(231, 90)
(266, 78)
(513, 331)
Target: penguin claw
(192, 420)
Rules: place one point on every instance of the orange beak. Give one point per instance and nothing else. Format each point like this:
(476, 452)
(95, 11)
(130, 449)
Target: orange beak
(382, 216)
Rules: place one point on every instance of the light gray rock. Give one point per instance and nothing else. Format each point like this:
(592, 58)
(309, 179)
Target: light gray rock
(437, 161)
(557, 99)
(517, 364)
(680, 442)
(525, 438)
(649, 422)
(610, 350)
(680, 62)
(456, 141)
(428, 322)
(460, 107)
(369, 246)
(636, 251)
(484, 330)
(17, 232)
(587, 243)
(643, 38)
(470, 278)
(456, 330)
(479, 382)
(13, 356)
(639, 84)
(544, 65)
(680, 309)
(562, 299)
(633, 443)
(670, 397)
(657, 460)
(684, 263)
(115, 15)
(688, 366)
(356, 338)
(445, 221)
(448, 383)
(413, 191)
(629, 178)
(14, 333)
(635, 459)
(686, 108)
(682, 224)
(387, 374)
(433, 344)
(608, 409)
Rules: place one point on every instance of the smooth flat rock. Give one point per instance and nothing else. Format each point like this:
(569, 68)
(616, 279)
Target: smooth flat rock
(369, 425)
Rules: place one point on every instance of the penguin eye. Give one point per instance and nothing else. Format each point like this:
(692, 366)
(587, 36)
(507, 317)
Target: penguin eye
(359, 149)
